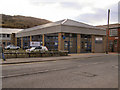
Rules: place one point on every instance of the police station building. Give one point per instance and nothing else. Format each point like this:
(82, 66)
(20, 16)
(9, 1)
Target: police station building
(70, 35)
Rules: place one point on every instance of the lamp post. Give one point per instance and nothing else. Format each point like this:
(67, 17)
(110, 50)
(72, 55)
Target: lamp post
(107, 32)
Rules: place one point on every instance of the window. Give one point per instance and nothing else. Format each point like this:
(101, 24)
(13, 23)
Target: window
(8, 43)
(19, 42)
(113, 32)
(115, 42)
(51, 42)
(56, 43)
(66, 44)
(4, 43)
(82, 45)
(67, 35)
(4, 35)
(38, 48)
(8, 35)
(98, 40)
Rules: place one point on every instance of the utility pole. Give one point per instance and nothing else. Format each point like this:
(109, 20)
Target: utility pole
(107, 32)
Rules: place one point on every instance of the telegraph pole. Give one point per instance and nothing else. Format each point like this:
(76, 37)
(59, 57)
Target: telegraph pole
(107, 32)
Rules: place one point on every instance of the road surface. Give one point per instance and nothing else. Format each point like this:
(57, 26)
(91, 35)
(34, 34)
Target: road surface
(94, 72)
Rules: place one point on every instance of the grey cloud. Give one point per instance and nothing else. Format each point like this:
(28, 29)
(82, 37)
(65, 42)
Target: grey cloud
(100, 15)
(119, 12)
(114, 13)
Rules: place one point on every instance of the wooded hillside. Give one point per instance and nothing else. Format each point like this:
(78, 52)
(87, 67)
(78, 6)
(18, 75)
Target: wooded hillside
(21, 22)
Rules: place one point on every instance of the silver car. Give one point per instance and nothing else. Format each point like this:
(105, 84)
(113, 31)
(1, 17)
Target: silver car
(38, 48)
(12, 47)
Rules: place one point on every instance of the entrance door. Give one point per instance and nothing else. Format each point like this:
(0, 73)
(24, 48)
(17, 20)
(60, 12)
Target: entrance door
(85, 43)
(115, 45)
(111, 46)
(70, 44)
(73, 45)
(99, 44)
(67, 46)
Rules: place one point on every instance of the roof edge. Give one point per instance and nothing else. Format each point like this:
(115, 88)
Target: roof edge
(64, 21)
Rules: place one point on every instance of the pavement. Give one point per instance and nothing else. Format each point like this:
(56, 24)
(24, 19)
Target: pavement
(44, 59)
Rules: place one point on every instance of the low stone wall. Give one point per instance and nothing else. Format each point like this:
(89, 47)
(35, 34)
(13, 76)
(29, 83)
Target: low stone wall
(34, 54)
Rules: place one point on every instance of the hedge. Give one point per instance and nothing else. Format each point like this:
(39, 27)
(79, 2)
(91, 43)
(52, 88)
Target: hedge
(23, 54)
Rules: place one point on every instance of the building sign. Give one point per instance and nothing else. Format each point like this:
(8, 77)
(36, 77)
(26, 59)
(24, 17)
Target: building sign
(34, 44)
(64, 37)
(98, 40)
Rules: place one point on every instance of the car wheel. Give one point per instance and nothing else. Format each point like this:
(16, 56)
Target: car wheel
(8, 48)
(17, 48)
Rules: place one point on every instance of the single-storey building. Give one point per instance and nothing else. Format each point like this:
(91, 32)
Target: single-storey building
(70, 35)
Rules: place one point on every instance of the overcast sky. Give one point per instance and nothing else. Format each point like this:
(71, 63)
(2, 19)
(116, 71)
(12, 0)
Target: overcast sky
(93, 12)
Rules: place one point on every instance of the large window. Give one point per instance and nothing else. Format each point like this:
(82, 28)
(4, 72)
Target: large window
(113, 32)
(98, 40)
(8, 35)
(8, 43)
(26, 41)
(70, 42)
(4, 35)
(51, 41)
(4, 43)
(19, 42)
(85, 43)
(37, 38)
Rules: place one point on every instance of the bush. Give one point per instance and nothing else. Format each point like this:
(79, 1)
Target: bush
(24, 54)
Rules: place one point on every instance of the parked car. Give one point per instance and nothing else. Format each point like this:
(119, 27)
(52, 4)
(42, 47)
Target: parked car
(12, 47)
(38, 48)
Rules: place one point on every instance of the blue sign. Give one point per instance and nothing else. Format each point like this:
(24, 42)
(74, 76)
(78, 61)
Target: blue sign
(63, 37)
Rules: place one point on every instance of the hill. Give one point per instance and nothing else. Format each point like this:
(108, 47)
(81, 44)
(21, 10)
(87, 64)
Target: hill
(21, 22)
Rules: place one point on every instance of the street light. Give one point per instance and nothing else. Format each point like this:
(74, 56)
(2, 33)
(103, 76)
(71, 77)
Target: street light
(107, 32)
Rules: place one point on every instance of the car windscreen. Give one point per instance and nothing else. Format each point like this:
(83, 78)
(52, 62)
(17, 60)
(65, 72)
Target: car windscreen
(38, 48)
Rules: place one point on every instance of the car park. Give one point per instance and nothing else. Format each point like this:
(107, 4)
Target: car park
(12, 47)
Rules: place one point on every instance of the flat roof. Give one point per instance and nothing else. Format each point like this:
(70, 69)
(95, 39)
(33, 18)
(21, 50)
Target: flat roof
(9, 30)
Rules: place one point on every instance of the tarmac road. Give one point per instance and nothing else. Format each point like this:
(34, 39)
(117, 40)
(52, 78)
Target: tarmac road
(94, 72)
